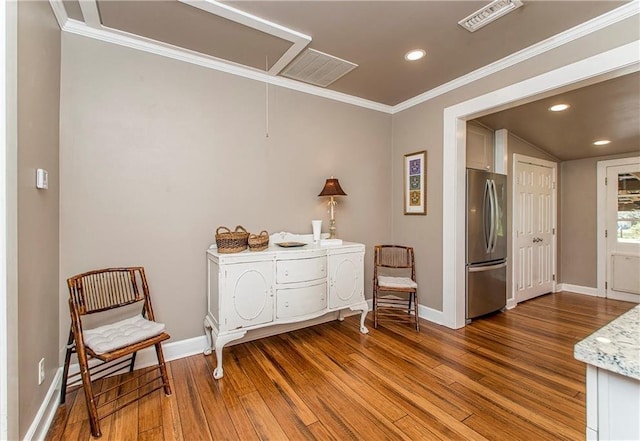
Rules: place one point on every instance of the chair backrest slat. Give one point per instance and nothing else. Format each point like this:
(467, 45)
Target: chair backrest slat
(390, 256)
(109, 288)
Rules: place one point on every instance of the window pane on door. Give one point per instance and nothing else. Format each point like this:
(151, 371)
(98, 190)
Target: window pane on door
(629, 207)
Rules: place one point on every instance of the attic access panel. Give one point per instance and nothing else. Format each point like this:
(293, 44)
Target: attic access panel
(185, 26)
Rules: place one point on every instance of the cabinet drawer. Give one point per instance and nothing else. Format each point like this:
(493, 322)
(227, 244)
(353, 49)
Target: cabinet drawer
(301, 270)
(301, 301)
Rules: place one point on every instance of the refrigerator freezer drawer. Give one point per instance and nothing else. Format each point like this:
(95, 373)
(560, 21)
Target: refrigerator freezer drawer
(486, 289)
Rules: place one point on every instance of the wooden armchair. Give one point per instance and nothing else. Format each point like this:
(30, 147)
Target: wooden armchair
(115, 344)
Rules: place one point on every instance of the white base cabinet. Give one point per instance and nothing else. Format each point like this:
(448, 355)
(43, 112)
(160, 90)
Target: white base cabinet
(613, 406)
(252, 290)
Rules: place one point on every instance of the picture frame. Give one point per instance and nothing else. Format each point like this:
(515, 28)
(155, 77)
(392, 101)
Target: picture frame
(415, 183)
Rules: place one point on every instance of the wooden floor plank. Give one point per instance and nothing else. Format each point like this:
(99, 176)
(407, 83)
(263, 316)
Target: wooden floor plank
(261, 417)
(239, 418)
(190, 409)
(510, 375)
(218, 419)
(125, 421)
(287, 406)
(150, 406)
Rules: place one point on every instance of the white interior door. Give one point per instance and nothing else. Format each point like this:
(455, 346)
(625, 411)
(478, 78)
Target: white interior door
(534, 226)
(623, 232)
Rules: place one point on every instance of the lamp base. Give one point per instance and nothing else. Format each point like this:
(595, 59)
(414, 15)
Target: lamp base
(332, 229)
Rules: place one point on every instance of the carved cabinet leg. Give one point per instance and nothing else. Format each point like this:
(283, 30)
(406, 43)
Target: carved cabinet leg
(220, 343)
(207, 332)
(364, 307)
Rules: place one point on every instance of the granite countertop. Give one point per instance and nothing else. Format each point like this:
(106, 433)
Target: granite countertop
(615, 346)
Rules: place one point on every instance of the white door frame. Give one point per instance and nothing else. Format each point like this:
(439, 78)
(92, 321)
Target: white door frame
(8, 223)
(601, 220)
(454, 156)
(554, 218)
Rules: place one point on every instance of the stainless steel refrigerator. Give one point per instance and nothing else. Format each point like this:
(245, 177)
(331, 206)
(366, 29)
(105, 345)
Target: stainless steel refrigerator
(486, 262)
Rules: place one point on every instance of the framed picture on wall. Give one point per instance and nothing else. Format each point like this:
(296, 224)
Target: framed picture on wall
(415, 183)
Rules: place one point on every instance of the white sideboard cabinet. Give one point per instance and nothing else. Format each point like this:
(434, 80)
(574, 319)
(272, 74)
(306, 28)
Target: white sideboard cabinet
(252, 290)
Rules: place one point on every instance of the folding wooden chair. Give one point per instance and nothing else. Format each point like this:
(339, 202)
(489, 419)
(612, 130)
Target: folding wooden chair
(115, 344)
(394, 283)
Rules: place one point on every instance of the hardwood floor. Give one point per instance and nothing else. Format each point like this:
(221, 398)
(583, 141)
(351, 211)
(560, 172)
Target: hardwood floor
(509, 376)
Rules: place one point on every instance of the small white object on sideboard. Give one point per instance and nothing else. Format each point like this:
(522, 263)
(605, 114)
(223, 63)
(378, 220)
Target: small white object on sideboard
(280, 285)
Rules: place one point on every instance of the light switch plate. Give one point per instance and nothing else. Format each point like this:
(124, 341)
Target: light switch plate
(42, 179)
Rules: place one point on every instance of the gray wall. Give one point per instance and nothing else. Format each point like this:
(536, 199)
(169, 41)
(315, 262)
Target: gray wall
(579, 220)
(421, 127)
(157, 153)
(38, 210)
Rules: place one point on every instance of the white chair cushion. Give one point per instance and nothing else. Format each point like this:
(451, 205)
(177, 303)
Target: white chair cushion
(396, 282)
(120, 334)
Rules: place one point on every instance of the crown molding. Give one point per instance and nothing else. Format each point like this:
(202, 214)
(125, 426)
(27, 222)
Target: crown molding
(151, 46)
(628, 10)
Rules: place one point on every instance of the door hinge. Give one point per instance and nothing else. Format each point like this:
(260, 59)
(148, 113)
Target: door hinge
(553, 231)
(553, 185)
(606, 181)
(606, 233)
(606, 285)
(553, 277)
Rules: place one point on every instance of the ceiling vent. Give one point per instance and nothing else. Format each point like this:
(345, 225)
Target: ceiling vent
(317, 68)
(486, 15)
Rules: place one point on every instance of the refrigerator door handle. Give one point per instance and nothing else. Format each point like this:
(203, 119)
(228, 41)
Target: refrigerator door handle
(496, 210)
(476, 269)
(492, 212)
(486, 237)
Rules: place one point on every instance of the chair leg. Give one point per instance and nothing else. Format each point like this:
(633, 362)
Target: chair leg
(65, 370)
(133, 361)
(415, 310)
(163, 369)
(375, 307)
(94, 421)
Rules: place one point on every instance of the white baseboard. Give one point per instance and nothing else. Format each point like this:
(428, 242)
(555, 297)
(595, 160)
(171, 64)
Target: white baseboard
(586, 290)
(424, 312)
(41, 423)
(173, 350)
(430, 314)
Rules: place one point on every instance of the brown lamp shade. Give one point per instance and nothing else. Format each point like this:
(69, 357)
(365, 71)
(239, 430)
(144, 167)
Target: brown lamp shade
(332, 188)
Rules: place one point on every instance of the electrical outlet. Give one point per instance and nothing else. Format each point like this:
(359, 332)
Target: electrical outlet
(41, 371)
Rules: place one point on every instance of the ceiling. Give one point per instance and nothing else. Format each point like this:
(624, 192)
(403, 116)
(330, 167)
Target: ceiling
(606, 110)
(267, 36)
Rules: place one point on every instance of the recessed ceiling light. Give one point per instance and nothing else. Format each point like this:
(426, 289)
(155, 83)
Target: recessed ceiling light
(559, 107)
(601, 142)
(414, 55)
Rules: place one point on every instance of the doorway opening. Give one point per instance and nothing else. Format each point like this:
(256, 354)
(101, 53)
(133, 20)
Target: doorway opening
(619, 229)
(611, 62)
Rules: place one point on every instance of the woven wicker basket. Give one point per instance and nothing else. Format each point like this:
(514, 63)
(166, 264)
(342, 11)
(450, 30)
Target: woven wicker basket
(259, 242)
(231, 241)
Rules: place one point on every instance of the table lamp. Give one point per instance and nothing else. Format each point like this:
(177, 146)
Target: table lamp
(332, 188)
